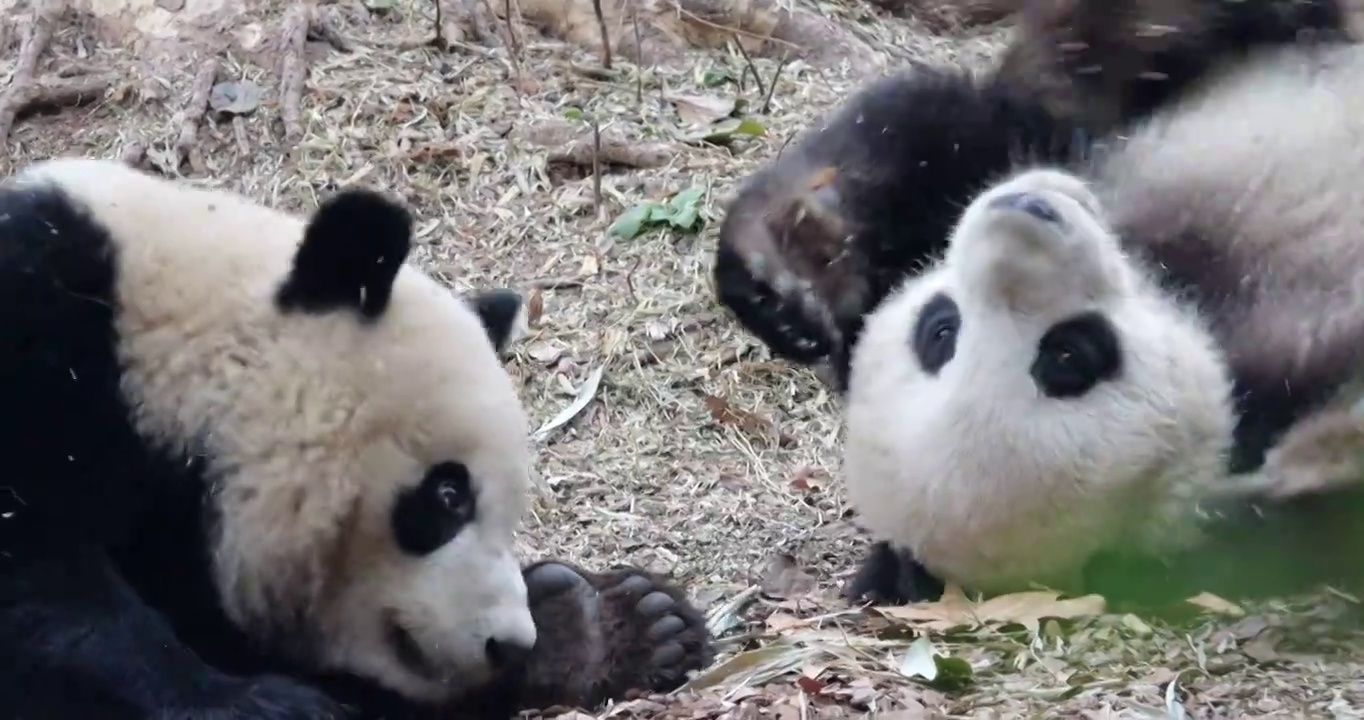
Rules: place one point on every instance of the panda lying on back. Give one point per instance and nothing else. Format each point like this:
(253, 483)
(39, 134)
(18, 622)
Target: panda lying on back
(259, 468)
(1077, 379)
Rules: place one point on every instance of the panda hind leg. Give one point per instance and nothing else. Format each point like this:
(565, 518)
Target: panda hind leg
(601, 635)
(891, 576)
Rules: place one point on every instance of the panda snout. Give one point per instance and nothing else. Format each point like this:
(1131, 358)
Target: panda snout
(508, 653)
(1030, 203)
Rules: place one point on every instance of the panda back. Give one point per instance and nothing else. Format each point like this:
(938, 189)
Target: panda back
(1245, 197)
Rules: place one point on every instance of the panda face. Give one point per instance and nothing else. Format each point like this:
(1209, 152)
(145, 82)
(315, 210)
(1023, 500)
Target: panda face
(1032, 397)
(366, 452)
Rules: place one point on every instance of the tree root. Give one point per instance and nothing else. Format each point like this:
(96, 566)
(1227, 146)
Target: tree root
(293, 68)
(22, 86)
(186, 146)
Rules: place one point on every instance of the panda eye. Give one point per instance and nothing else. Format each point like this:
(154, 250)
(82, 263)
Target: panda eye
(431, 514)
(935, 333)
(1075, 355)
(454, 496)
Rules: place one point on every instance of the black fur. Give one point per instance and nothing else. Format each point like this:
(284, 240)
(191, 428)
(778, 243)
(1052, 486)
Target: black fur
(1108, 63)
(352, 250)
(893, 169)
(107, 605)
(498, 310)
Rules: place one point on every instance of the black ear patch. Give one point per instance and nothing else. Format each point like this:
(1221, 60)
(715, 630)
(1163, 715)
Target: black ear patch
(355, 244)
(498, 310)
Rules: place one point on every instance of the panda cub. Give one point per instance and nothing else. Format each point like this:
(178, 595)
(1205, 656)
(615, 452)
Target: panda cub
(1109, 371)
(262, 468)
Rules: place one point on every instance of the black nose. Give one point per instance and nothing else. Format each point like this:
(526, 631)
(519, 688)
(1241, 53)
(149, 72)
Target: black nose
(508, 654)
(1030, 204)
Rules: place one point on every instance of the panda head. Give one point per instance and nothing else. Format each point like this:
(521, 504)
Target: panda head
(364, 450)
(1032, 398)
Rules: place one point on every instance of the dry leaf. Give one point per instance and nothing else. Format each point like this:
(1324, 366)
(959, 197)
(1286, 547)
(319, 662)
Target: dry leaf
(701, 109)
(1212, 603)
(535, 307)
(1261, 649)
(545, 353)
(784, 578)
(586, 393)
(752, 424)
(1025, 608)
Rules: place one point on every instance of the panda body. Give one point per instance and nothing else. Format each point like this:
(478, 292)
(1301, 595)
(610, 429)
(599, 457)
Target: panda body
(1216, 247)
(255, 457)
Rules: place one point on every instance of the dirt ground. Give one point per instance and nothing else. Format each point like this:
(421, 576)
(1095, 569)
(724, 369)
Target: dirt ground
(686, 448)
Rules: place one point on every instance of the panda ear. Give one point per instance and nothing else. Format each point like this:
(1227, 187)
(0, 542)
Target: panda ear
(503, 314)
(354, 245)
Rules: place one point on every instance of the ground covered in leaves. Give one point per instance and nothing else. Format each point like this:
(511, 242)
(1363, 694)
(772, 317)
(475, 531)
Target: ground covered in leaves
(667, 435)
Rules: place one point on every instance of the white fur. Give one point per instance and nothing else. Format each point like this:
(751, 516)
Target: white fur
(315, 423)
(987, 481)
(993, 485)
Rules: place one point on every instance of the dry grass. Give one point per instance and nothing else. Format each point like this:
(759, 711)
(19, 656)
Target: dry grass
(645, 473)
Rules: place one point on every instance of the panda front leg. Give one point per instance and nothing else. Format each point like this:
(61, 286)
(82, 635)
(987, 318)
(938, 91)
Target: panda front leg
(603, 634)
(77, 642)
(891, 576)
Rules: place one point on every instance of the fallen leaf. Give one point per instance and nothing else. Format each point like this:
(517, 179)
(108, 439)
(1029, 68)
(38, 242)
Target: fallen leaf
(1025, 608)
(586, 392)
(1261, 649)
(1212, 603)
(918, 660)
(784, 578)
(545, 353)
(240, 97)
(700, 109)
(810, 685)
(535, 307)
(752, 424)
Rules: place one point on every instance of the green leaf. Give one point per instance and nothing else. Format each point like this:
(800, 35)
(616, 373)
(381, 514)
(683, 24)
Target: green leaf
(724, 131)
(632, 222)
(945, 672)
(574, 113)
(685, 208)
(716, 77)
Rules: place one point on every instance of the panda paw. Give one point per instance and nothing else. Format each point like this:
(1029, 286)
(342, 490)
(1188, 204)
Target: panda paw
(267, 697)
(776, 264)
(603, 634)
(890, 576)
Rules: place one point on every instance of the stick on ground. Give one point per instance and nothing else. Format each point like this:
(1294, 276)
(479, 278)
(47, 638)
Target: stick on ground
(293, 66)
(186, 145)
(35, 43)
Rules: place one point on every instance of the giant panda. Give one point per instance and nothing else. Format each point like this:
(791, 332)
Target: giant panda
(1069, 347)
(259, 467)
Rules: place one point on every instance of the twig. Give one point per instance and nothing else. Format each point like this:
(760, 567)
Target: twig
(511, 31)
(21, 82)
(186, 145)
(596, 166)
(243, 140)
(605, 39)
(749, 67)
(639, 56)
(781, 64)
(42, 97)
(439, 39)
(515, 61)
(293, 66)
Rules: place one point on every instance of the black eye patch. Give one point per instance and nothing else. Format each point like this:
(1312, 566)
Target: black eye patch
(1076, 354)
(935, 333)
(432, 513)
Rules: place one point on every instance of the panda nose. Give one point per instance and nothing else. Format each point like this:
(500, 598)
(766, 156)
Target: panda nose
(1030, 204)
(508, 654)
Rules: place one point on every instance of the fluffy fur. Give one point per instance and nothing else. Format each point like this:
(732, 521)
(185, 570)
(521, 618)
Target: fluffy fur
(1236, 236)
(249, 450)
